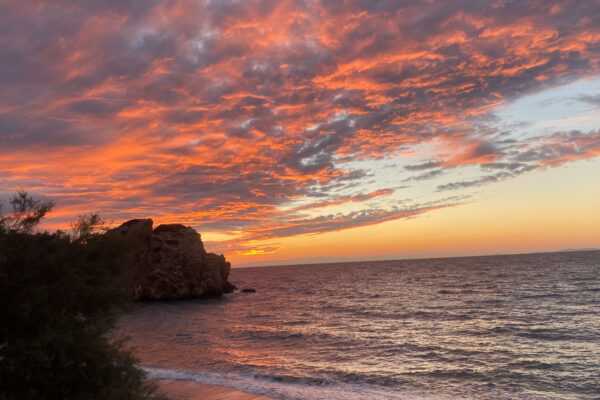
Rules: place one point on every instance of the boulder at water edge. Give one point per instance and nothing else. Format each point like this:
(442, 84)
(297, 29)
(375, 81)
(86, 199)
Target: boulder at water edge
(170, 262)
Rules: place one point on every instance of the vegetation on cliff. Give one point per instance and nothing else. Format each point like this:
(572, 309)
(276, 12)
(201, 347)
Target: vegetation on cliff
(59, 295)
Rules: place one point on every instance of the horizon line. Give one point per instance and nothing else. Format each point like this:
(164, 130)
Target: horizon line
(416, 258)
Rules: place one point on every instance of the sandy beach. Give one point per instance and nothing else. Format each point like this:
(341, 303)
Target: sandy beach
(188, 390)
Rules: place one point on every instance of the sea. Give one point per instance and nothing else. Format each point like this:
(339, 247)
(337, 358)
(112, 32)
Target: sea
(495, 327)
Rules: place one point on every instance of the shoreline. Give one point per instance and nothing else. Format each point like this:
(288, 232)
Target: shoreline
(192, 390)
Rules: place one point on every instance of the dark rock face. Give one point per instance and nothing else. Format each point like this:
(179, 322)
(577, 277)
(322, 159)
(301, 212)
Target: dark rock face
(170, 262)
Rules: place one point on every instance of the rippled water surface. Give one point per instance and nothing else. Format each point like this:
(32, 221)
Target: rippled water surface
(524, 326)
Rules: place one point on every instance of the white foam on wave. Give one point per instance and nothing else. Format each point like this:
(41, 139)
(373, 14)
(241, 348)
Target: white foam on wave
(282, 388)
(236, 292)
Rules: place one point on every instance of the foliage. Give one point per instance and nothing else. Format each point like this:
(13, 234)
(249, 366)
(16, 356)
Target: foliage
(58, 299)
(27, 213)
(88, 226)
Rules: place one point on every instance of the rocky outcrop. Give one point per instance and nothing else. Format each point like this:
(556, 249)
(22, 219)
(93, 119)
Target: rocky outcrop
(170, 262)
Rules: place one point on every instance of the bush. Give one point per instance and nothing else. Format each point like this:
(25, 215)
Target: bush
(27, 213)
(58, 299)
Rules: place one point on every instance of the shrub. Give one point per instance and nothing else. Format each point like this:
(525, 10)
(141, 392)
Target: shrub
(58, 303)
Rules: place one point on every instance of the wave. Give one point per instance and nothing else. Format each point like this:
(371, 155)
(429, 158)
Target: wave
(291, 387)
(316, 388)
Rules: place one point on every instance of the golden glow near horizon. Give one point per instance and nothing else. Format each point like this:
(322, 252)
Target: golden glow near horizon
(285, 131)
(502, 221)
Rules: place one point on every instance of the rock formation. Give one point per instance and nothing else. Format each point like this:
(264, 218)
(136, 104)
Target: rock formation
(170, 262)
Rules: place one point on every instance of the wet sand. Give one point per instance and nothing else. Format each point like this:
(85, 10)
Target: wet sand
(188, 390)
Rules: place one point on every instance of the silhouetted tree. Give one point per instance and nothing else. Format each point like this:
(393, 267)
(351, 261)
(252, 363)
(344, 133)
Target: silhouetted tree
(27, 213)
(88, 226)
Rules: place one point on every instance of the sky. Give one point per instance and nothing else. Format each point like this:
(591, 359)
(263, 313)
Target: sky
(310, 131)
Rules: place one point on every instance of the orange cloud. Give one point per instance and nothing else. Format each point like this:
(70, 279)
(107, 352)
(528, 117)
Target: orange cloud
(223, 114)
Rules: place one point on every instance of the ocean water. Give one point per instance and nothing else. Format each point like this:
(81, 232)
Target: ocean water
(498, 327)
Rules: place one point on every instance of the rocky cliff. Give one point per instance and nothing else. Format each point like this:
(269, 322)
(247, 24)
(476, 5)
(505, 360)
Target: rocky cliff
(170, 262)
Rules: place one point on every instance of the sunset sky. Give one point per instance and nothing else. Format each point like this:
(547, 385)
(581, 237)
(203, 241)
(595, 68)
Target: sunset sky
(300, 131)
